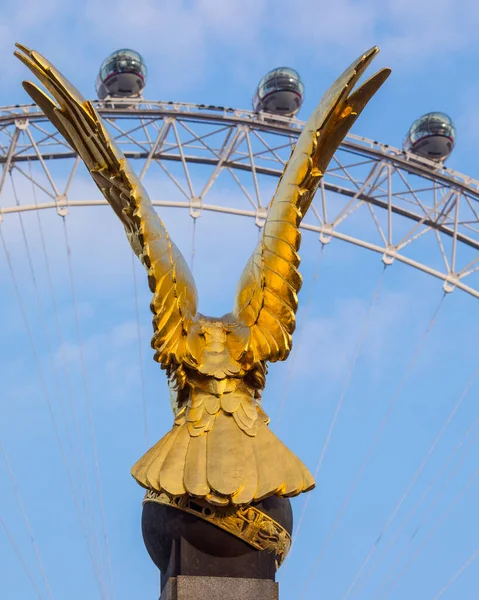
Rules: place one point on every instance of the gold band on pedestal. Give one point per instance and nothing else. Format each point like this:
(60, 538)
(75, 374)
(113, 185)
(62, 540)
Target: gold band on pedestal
(246, 522)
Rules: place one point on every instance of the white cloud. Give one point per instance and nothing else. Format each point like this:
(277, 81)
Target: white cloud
(111, 358)
(185, 40)
(119, 337)
(181, 36)
(326, 28)
(328, 343)
(418, 31)
(410, 33)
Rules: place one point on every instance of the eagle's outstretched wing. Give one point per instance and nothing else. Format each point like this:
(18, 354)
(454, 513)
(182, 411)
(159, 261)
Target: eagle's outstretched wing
(175, 299)
(266, 298)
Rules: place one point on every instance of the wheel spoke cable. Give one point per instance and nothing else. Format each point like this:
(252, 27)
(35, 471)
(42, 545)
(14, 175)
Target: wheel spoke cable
(473, 428)
(26, 520)
(372, 447)
(81, 460)
(430, 509)
(468, 562)
(297, 343)
(339, 404)
(440, 521)
(88, 403)
(48, 345)
(193, 245)
(20, 557)
(140, 351)
(46, 396)
(415, 477)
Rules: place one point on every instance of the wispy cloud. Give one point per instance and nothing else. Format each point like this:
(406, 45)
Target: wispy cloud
(181, 40)
(418, 31)
(329, 342)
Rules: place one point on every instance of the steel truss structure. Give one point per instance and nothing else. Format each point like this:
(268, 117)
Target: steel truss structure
(373, 195)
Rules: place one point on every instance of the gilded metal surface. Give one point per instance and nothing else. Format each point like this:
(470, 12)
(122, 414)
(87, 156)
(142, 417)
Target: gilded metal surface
(245, 522)
(220, 447)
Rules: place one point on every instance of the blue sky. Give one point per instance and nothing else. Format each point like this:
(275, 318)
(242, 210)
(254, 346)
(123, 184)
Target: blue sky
(215, 52)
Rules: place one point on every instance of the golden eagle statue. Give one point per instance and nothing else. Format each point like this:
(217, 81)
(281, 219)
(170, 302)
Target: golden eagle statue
(220, 448)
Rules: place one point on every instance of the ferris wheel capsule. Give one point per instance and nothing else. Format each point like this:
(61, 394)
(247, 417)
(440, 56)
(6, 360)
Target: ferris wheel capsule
(122, 75)
(280, 92)
(431, 136)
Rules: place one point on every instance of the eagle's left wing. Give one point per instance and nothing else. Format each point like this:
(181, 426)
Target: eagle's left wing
(266, 298)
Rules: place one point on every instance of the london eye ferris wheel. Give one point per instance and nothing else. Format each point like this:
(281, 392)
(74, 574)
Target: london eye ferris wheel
(210, 166)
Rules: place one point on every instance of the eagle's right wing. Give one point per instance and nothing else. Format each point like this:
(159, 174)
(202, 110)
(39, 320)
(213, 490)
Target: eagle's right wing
(266, 298)
(175, 299)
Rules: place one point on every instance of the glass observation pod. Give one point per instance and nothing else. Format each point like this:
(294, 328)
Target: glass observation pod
(432, 136)
(122, 74)
(280, 92)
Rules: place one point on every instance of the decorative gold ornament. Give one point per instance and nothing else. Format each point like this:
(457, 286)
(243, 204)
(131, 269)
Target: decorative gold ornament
(220, 448)
(248, 523)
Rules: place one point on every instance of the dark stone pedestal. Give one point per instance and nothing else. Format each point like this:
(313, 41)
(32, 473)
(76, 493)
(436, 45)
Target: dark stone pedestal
(219, 588)
(199, 560)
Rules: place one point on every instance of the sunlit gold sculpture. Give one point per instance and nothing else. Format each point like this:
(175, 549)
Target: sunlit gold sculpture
(220, 448)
